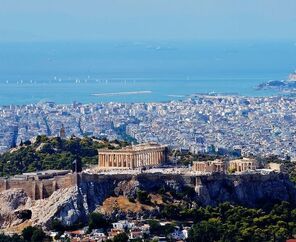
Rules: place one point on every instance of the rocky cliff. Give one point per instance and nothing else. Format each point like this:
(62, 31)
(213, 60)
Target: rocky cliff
(12, 202)
(73, 204)
(251, 190)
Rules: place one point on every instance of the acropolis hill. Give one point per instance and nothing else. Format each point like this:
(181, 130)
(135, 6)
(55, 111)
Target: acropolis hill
(123, 171)
(127, 162)
(73, 203)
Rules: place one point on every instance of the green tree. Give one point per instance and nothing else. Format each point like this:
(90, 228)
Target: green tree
(167, 229)
(143, 197)
(38, 235)
(13, 238)
(206, 231)
(56, 225)
(121, 238)
(155, 227)
(33, 234)
(96, 221)
(27, 233)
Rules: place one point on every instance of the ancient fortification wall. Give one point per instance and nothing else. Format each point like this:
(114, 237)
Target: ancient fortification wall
(43, 188)
(39, 189)
(148, 178)
(210, 189)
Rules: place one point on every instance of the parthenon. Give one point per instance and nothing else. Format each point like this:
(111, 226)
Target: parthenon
(130, 157)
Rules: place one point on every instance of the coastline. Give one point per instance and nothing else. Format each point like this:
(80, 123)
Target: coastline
(121, 93)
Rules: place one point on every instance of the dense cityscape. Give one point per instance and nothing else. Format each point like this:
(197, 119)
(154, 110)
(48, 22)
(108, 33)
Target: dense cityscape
(260, 126)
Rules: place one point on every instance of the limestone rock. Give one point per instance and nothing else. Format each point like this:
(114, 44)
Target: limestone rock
(11, 202)
(67, 205)
(74, 204)
(127, 188)
(251, 190)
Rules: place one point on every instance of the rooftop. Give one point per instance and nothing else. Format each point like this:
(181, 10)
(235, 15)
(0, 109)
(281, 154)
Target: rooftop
(138, 147)
(41, 174)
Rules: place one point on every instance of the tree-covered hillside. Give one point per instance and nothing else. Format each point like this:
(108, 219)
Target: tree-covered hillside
(235, 223)
(53, 153)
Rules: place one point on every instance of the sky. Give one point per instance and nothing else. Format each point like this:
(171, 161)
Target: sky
(80, 20)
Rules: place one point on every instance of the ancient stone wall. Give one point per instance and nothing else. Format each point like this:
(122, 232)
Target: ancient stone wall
(246, 189)
(152, 178)
(39, 189)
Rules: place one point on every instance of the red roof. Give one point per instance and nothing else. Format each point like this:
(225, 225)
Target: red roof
(77, 232)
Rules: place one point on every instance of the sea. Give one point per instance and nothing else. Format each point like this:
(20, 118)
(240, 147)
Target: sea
(139, 71)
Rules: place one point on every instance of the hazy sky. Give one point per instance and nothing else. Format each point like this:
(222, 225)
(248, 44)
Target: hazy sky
(48, 20)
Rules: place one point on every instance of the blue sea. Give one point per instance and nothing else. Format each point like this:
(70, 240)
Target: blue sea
(139, 71)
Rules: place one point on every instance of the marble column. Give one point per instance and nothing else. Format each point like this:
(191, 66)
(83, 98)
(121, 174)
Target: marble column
(136, 160)
(133, 161)
(100, 160)
(142, 160)
(128, 161)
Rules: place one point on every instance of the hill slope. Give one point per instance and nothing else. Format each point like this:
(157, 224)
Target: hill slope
(53, 153)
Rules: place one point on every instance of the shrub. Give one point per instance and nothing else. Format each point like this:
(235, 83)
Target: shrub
(121, 238)
(143, 197)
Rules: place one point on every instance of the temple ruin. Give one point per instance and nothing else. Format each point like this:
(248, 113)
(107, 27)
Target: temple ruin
(131, 157)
